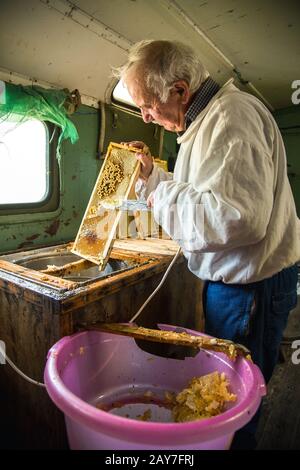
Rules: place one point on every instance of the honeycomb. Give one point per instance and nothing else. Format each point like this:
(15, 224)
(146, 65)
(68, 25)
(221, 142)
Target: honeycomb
(113, 174)
(204, 397)
(116, 180)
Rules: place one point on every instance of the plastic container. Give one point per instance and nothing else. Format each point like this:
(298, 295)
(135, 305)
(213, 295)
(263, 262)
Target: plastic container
(92, 368)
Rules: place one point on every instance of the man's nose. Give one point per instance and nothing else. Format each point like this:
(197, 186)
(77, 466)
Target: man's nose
(146, 116)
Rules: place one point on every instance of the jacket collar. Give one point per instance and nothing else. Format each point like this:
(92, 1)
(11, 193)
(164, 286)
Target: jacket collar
(195, 124)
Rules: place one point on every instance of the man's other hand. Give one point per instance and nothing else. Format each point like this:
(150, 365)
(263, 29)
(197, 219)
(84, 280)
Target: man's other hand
(144, 156)
(150, 199)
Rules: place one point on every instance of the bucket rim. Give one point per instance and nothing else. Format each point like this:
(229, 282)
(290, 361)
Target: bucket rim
(100, 421)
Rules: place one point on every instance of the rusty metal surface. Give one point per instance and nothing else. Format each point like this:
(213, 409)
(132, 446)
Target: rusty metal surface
(129, 268)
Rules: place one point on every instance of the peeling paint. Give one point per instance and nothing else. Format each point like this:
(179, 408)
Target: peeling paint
(67, 222)
(33, 237)
(52, 229)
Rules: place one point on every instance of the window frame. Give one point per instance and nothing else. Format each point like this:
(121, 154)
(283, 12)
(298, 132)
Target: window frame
(124, 106)
(52, 198)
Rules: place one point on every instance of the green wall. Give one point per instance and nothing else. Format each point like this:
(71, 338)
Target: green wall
(78, 168)
(288, 120)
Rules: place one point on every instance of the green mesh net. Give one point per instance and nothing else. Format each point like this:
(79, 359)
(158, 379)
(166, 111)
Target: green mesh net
(35, 102)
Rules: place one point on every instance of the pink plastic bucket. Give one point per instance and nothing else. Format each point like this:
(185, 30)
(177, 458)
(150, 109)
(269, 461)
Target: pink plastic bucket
(92, 367)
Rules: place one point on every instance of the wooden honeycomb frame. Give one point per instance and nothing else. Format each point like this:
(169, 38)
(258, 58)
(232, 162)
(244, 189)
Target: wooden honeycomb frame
(116, 181)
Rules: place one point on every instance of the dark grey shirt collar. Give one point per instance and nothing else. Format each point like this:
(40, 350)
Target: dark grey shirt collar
(202, 97)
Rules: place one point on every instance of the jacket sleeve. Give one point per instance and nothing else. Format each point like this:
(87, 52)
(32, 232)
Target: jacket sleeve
(232, 209)
(143, 189)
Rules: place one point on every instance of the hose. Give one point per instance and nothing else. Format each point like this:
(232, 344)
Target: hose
(157, 288)
(10, 362)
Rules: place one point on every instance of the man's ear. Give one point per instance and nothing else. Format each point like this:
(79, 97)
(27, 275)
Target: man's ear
(183, 89)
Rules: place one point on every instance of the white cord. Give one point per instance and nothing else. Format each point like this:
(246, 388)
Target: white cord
(10, 362)
(157, 288)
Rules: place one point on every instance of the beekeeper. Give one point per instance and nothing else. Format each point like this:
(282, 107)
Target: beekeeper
(232, 207)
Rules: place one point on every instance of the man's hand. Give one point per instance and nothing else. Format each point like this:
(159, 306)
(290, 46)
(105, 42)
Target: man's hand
(144, 157)
(150, 199)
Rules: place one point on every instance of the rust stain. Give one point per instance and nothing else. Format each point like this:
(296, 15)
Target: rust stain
(33, 237)
(37, 276)
(74, 177)
(52, 229)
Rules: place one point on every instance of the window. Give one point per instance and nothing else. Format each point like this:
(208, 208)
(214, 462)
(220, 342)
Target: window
(120, 94)
(24, 162)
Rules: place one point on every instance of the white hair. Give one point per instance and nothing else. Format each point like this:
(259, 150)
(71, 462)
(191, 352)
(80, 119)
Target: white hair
(162, 63)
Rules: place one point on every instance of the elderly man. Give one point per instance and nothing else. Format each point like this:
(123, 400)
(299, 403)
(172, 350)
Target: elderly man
(232, 165)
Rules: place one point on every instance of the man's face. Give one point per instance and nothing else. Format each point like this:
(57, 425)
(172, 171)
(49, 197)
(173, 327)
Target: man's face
(170, 115)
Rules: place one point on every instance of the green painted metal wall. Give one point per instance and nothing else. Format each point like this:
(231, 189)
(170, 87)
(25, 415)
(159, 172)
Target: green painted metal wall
(288, 120)
(78, 168)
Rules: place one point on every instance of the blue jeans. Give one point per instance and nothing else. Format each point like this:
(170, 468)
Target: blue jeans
(254, 315)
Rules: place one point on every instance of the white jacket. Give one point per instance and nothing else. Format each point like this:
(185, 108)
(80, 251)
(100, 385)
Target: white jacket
(232, 163)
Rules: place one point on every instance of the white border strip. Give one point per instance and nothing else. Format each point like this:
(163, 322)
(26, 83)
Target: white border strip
(74, 13)
(19, 79)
